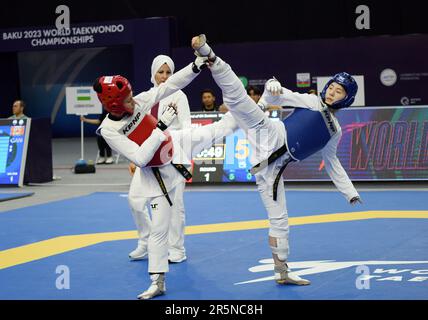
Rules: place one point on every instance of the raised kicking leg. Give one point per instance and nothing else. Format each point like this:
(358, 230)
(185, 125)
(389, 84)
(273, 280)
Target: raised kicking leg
(189, 142)
(265, 137)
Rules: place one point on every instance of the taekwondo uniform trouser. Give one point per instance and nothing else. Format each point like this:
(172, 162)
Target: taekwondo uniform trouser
(156, 229)
(177, 225)
(178, 222)
(265, 136)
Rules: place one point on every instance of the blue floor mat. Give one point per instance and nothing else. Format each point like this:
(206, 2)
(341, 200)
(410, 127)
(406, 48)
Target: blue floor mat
(225, 265)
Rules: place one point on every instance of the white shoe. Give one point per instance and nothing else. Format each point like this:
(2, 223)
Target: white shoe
(283, 275)
(176, 257)
(201, 47)
(157, 287)
(139, 253)
(109, 160)
(101, 160)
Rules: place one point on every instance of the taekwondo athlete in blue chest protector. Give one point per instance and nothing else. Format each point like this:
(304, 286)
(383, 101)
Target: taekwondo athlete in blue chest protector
(310, 128)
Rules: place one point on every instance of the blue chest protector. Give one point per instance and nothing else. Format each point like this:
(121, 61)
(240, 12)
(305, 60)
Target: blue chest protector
(308, 131)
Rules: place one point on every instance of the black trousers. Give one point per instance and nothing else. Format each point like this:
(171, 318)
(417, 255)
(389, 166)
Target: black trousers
(103, 147)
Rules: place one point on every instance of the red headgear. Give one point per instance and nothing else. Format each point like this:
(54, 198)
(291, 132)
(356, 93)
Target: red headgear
(111, 91)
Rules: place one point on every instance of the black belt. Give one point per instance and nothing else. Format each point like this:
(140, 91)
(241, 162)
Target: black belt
(158, 177)
(272, 158)
(183, 171)
(180, 168)
(278, 177)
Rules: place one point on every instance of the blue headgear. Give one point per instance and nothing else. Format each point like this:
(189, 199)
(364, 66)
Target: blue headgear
(350, 86)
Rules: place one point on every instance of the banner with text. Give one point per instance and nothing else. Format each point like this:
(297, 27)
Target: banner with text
(378, 143)
(79, 35)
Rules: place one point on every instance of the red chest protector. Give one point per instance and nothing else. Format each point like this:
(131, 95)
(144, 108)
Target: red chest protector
(139, 127)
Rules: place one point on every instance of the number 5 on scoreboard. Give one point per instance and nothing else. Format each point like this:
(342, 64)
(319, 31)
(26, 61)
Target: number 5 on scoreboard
(242, 149)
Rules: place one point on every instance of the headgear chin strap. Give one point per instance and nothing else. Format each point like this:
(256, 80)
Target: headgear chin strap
(350, 86)
(111, 91)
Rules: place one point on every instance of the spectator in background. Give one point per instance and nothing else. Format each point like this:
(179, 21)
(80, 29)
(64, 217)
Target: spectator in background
(254, 92)
(18, 110)
(105, 155)
(208, 100)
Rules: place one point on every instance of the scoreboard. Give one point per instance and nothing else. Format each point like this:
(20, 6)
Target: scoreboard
(13, 148)
(225, 161)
